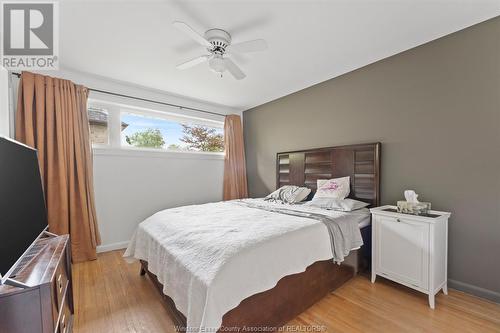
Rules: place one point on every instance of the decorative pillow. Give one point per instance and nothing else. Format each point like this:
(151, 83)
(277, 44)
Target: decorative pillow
(289, 194)
(337, 188)
(345, 205)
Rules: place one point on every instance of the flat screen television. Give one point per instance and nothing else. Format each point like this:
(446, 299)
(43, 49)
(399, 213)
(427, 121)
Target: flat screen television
(23, 215)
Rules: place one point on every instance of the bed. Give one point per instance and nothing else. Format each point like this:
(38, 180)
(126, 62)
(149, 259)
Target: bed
(255, 264)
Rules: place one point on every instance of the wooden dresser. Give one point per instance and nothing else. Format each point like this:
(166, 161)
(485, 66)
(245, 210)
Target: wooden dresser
(47, 305)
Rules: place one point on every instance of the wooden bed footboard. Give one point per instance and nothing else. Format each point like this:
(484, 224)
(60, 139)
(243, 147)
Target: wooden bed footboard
(273, 308)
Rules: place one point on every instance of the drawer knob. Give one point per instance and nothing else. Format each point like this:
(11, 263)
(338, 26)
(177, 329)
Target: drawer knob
(59, 283)
(398, 220)
(63, 323)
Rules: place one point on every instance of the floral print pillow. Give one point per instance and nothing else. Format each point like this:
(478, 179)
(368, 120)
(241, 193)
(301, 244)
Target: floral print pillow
(337, 188)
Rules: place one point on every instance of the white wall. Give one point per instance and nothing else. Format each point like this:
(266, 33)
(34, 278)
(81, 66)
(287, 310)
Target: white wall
(132, 185)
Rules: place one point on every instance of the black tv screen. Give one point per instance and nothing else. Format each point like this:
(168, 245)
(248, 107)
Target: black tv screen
(23, 213)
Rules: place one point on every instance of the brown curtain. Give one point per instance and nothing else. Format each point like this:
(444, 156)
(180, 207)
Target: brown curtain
(235, 173)
(52, 117)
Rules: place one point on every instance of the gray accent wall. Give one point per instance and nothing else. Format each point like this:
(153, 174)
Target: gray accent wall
(436, 110)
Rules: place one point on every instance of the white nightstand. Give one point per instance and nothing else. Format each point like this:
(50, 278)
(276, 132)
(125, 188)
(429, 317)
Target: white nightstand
(411, 250)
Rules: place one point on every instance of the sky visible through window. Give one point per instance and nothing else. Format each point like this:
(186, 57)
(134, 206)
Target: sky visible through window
(170, 130)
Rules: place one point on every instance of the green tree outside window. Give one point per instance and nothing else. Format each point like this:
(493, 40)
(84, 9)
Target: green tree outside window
(149, 138)
(202, 138)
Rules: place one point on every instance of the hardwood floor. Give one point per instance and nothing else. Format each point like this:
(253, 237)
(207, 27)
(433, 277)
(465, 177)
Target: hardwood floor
(110, 296)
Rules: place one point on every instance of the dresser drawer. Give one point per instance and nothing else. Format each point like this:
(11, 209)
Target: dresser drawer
(60, 282)
(65, 318)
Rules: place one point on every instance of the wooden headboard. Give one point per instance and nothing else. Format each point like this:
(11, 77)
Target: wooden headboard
(361, 162)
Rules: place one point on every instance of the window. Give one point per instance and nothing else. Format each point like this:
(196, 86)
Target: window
(118, 126)
(98, 123)
(152, 132)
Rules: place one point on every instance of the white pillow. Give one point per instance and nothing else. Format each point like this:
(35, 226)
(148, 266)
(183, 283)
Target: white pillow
(337, 188)
(289, 194)
(345, 205)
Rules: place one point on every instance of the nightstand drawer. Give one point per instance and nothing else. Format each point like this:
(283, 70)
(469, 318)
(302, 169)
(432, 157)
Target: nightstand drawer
(402, 250)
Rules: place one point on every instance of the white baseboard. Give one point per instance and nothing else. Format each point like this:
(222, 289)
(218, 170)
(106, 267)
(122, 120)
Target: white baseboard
(474, 290)
(112, 247)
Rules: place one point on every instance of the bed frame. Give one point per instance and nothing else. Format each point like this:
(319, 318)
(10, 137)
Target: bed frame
(294, 293)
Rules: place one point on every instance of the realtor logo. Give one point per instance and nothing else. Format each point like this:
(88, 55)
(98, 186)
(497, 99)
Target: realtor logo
(30, 35)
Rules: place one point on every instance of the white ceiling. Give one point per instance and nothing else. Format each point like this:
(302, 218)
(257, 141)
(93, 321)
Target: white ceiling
(309, 41)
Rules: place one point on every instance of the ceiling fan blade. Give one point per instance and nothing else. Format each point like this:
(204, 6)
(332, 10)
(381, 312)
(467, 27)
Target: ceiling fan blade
(234, 69)
(193, 62)
(249, 46)
(191, 33)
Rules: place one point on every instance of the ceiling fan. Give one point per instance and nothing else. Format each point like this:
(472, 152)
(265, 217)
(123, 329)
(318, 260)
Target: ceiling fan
(218, 44)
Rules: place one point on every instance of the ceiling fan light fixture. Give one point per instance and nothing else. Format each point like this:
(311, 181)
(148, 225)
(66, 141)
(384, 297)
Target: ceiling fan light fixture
(216, 64)
(218, 43)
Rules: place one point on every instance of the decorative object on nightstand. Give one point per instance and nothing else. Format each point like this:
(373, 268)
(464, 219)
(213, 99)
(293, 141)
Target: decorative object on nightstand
(412, 205)
(411, 249)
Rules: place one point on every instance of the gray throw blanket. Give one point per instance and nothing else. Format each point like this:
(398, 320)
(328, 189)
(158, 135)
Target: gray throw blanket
(344, 235)
(286, 194)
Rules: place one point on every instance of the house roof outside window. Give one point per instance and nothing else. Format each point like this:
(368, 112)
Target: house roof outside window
(100, 117)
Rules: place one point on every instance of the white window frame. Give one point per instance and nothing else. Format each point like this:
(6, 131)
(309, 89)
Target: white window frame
(114, 146)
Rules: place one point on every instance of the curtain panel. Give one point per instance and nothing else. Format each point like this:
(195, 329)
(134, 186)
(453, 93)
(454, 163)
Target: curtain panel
(52, 117)
(235, 174)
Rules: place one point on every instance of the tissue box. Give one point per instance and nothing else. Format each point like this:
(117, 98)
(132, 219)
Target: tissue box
(418, 208)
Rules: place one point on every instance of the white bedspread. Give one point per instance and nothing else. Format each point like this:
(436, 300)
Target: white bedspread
(211, 257)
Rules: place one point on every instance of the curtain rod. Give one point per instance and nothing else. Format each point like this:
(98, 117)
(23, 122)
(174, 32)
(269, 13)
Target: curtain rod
(146, 100)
